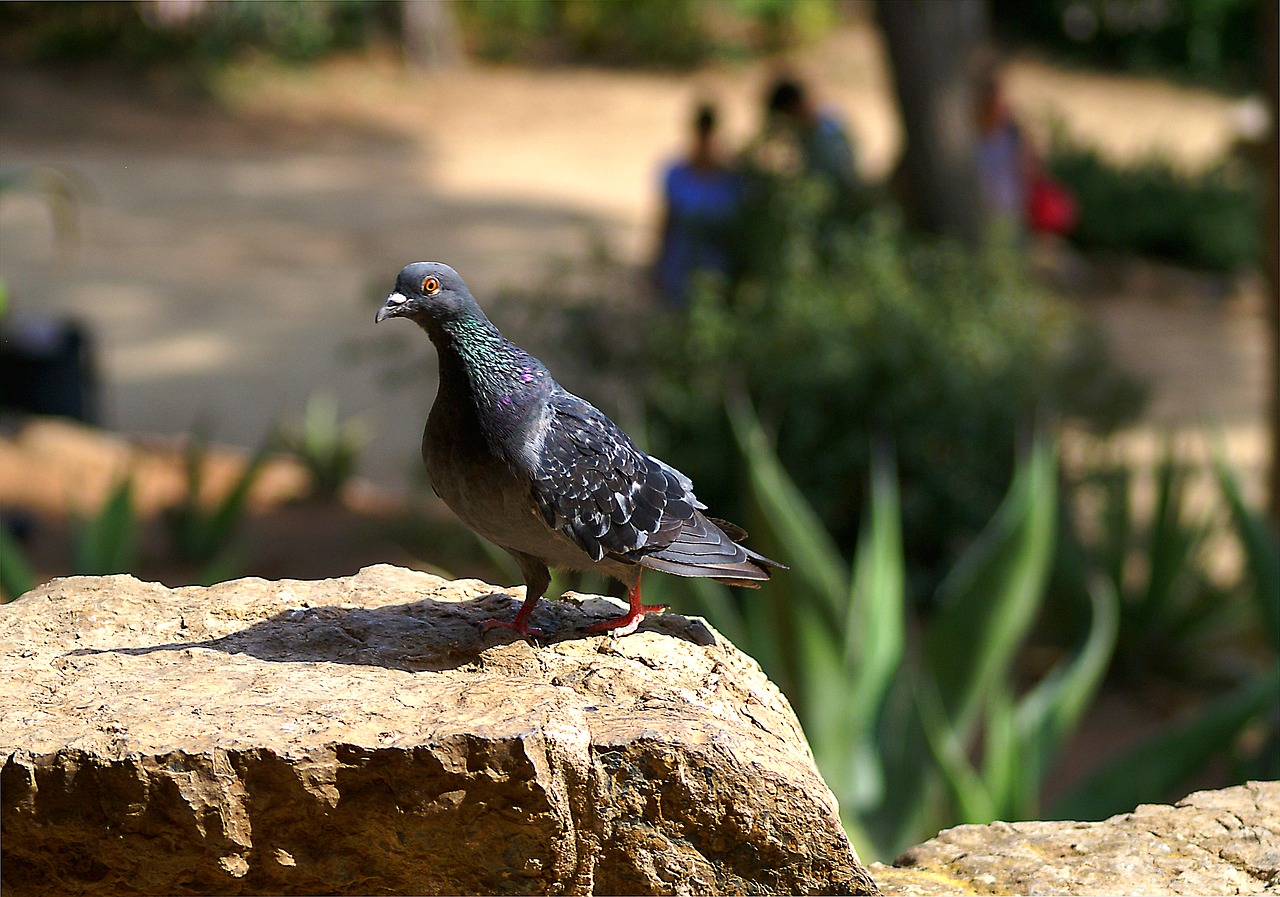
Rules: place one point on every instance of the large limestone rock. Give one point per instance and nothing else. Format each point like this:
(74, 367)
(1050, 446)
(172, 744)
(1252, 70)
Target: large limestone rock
(359, 736)
(1212, 842)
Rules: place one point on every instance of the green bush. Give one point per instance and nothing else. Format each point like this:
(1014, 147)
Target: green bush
(1174, 616)
(646, 33)
(328, 447)
(944, 354)
(920, 722)
(1207, 41)
(205, 536)
(911, 733)
(1241, 723)
(138, 35)
(1209, 220)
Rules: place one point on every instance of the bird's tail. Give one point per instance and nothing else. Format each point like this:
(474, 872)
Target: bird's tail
(708, 548)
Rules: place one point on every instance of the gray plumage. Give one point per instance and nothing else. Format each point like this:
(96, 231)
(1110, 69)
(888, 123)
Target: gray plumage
(542, 473)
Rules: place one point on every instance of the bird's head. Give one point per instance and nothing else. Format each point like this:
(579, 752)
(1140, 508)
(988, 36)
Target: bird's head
(427, 291)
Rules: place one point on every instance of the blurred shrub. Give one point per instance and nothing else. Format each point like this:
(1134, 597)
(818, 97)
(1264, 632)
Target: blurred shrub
(923, 722)
(1241, 723)
(946, 353)
(661, 33)
(1174, 616)
(656, 33)
(106, 541)
(912, 733)
(1210, 41)
(1207, 220)
(203, 534)
(328, 447)
(143, 34)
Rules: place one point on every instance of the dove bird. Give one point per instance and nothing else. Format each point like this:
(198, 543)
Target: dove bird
(543, 474)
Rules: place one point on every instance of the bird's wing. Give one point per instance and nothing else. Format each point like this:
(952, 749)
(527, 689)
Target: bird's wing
(592, 484)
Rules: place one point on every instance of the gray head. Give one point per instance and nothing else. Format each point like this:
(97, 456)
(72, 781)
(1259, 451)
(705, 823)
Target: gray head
(429, 292)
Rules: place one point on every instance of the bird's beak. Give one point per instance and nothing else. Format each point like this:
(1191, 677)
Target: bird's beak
(393, 307)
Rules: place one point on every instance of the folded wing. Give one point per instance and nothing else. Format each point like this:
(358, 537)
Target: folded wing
(594, 485)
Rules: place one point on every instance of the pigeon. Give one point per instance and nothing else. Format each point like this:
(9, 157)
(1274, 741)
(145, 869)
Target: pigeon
(546, 476)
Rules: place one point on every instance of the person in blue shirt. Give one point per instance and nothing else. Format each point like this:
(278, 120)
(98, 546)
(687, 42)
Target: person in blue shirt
(701, 198)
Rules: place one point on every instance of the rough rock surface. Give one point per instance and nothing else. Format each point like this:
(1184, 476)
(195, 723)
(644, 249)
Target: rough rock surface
(1211, 842)
(359, 735)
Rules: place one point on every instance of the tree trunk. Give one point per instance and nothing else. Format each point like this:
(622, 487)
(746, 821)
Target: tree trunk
(934, 48)
(1271, 242)
(430, 34)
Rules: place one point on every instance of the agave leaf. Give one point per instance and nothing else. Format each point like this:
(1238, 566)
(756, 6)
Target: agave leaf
(1003, 772)
(763, 637)
(502, 561)
(1153, 769)
(1047, 714)
(817, 566)
(914, 805)
(16, 575)
(227, 516)
(973, 800)
(225, 566)
(1117, 523)
(990, 599)
(106, 542)
(1261, 546)
(823, 695)
(715, 602)
(1172, 543)
(875, 621)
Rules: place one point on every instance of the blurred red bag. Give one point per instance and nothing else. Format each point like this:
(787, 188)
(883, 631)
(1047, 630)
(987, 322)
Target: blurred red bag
(1051, 208)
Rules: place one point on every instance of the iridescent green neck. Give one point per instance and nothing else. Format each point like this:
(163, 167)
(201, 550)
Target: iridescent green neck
(488, 374)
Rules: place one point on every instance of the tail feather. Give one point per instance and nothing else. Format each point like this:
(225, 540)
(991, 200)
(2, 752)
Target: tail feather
(703, 548)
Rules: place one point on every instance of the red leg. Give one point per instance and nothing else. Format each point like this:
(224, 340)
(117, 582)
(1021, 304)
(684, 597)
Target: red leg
(520, 625)
(627, 623)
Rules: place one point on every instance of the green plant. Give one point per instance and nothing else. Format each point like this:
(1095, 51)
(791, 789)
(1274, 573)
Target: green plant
(106, 542)
(895, 717)
(327, 447)
(1205, 41)
(197, 35)
(102, 543)
(1157, 767)
(949, 352)
(1171, 611)
(16, 575)
(650, 33)
(204, 536)
(1152, 207)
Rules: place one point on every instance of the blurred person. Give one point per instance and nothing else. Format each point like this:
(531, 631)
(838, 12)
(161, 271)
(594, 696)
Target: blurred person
(826, 149)
(701, 198)
(1015, 187)
(822, 153)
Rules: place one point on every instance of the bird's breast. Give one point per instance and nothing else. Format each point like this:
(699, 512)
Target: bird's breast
(486, 493)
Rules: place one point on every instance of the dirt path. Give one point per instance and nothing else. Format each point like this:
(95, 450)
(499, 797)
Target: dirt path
(229, 260)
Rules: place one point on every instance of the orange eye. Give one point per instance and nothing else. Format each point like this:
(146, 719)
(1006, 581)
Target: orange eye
(430, 285)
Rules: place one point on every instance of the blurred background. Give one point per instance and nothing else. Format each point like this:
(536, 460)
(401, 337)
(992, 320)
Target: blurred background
(967, 311)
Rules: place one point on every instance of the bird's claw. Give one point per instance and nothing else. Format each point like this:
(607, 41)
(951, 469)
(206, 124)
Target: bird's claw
(628, 622)
(520, 628)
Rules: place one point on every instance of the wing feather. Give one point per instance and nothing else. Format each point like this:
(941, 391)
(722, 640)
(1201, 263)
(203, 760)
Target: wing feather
(593, 484)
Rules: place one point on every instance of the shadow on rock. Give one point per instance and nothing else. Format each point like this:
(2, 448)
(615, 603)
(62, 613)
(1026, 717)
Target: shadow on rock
(423, 635)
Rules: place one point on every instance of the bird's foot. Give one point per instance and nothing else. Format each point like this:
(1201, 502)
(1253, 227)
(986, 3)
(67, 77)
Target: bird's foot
(628, 622)
(518, 626)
